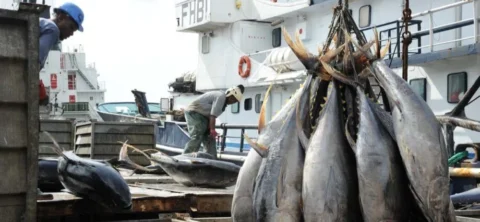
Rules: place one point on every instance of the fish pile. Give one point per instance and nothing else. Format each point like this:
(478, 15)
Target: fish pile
(333, 153)
(192, 169)
(90, 179)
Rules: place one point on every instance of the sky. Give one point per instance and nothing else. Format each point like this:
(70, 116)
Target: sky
(134, 45)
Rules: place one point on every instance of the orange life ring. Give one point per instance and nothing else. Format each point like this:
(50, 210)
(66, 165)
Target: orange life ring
(243, 60)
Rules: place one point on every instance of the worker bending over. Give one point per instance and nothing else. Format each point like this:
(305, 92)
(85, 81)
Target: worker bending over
(201, 115)
(68, 19)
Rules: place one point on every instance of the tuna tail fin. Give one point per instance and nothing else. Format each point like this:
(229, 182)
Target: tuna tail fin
(384, 51)
(366, 72)
(377, 43)
(56, 148)
(123, 156)
(350, 139)
(340, 76)
(261, 120)
(260, 149)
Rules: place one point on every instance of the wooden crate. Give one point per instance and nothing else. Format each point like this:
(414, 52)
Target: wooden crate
(99, 140)
(62, 130)
(19, 79)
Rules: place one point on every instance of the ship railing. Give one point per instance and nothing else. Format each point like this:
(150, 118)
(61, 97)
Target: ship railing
(447, 27)
(225, 127)
(395, 33)
(76, 107)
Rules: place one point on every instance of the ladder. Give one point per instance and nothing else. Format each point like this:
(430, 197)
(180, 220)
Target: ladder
(73, 60)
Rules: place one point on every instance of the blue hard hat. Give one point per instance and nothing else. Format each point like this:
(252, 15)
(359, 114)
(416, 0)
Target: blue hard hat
(74, 12)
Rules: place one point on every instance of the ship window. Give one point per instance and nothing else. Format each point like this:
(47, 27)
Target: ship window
(72, 85)
(91, 97)
(364, 16)
(236, 107)
(248, 104)
(419, 86)
(205, 43)
(456, 86)
(258, 103)
(276, 37)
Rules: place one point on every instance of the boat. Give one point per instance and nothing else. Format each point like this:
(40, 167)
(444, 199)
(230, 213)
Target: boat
(72, 85)
(443, 56)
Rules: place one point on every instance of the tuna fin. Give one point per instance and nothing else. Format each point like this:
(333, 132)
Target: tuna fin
(260, 149)
(307, 59)
(339, 76)
(350, 139)
(262, 119)
(331, 54)
(56, 148)
(123, 156)
(365, 49)
(365, 73)
(384, 51)
(377, 43)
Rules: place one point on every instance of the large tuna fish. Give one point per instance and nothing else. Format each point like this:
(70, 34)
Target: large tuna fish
(192, 169)
(94, 180)
(383, 185)
(242, 202)
(421, 143)
(277, 193)
(330, 190)
(48, 180)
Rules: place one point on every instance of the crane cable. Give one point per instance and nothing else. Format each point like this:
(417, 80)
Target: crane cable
(407, 38)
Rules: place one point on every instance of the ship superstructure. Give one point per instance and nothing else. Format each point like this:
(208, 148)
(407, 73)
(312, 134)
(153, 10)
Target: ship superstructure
(241, 42)
(72, 85)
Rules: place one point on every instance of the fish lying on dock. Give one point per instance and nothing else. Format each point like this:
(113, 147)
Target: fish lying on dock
(193, 169)
(94, 180)
(48, 180)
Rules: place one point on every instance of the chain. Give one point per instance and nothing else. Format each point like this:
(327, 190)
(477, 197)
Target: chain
(407, 38)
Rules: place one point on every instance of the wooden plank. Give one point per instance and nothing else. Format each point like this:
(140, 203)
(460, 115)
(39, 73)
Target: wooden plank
(175, 187)
(213, 219)
(148, 179)
(146, 198)
(202, 200)
(143, 201)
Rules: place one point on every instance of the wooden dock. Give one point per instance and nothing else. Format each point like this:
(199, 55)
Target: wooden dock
(152, 196)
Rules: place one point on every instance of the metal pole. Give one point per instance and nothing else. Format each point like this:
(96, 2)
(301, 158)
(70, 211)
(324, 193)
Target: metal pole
(431, 32)
(475, 20)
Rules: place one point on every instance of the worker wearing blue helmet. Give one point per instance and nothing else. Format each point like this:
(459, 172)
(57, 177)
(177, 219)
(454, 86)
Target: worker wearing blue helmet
(68, 19)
